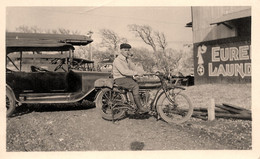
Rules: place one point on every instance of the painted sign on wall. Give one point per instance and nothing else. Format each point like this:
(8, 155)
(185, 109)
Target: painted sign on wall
(223, 61)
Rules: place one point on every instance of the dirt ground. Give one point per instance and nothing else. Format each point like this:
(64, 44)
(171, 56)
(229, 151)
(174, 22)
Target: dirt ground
(80, 128)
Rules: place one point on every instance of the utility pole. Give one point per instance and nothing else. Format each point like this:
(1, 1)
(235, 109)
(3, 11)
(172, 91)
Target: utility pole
(90, 51)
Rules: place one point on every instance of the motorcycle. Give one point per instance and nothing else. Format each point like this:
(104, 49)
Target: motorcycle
(163, 99)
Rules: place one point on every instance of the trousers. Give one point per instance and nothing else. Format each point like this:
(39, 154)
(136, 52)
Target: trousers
(129, 83)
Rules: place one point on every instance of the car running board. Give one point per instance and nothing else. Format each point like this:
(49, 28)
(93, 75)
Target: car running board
(45, 98)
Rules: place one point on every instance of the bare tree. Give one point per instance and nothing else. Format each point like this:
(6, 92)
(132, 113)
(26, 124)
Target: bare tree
(143, 57)
(36, 29)
(64, 31)
(161, 40)
(145, 33)
(111, 40)
(153, 39)
(27, 29)
(54, 31)
(173, 59)
(188, 61)
(165, 59)
(90, 33)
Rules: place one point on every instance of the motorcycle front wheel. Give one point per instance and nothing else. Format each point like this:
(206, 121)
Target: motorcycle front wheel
(176, 108)
(107, 102)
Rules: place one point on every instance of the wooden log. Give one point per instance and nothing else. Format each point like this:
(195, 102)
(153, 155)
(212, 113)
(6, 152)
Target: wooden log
(236, 110)
(236, 116)
(228, 109)
(200, 113)
(235, 107)
(222, 115)
(223, 112)
(200, 117)
(200, 109)
(216, 110)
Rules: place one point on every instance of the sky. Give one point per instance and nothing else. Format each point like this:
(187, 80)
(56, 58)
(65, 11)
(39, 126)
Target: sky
(169, 20)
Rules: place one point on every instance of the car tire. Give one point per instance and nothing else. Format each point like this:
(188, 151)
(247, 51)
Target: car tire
(10, 103)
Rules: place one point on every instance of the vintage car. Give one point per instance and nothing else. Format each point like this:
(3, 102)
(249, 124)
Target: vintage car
(41, 68)
(105, 65)
(82, 64)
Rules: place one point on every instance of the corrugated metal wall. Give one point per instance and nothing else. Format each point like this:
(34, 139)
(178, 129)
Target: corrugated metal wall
(203, 16)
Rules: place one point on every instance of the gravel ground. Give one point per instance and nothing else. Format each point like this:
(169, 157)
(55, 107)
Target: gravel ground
(80, 128)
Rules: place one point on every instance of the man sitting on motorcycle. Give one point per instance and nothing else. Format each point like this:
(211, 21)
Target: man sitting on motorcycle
(123, 72)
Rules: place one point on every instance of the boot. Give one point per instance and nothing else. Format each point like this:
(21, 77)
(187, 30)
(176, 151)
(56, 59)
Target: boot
(141, 109)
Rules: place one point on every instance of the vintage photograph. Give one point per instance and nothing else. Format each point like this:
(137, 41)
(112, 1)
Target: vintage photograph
(128, 78)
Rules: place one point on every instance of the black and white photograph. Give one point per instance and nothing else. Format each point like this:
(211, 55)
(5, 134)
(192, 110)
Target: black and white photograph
(129, 80)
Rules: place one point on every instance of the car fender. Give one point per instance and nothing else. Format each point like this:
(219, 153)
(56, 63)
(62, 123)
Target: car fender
(8, 88)
(98, 92)
(91, 95)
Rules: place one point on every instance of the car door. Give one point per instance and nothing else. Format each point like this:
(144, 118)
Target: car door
(50, 82)
(37, 82)
(20, 82)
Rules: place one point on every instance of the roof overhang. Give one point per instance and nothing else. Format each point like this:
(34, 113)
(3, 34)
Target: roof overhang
(232, 16)
(188, 24)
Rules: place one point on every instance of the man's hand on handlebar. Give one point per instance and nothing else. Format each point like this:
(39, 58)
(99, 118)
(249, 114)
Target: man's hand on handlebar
(138, 75)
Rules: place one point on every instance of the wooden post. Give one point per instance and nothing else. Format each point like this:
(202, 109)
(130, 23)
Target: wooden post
(211, 110)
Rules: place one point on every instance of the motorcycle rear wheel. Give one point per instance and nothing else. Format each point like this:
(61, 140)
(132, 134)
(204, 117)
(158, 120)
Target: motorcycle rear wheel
(178, 109)
(106, 99)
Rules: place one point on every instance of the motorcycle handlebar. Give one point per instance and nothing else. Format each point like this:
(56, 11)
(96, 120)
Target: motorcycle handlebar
(158, 74)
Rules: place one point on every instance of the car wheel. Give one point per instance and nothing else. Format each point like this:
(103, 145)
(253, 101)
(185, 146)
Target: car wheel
(10, 103)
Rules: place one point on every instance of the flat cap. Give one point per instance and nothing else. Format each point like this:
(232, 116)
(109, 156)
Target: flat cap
(125, 46)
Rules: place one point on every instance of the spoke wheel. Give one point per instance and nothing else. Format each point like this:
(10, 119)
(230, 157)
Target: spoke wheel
(108, 99)
(178, 109)
(10, 103)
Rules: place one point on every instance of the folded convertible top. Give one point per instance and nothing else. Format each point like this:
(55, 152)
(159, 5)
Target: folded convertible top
(43, 42)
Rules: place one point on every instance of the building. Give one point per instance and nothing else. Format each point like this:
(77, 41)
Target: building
(222, 44)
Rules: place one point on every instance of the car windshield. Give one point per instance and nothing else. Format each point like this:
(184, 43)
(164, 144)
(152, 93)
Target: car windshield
(24, 62)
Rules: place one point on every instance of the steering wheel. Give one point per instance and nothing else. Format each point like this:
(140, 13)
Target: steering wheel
(60, 63)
